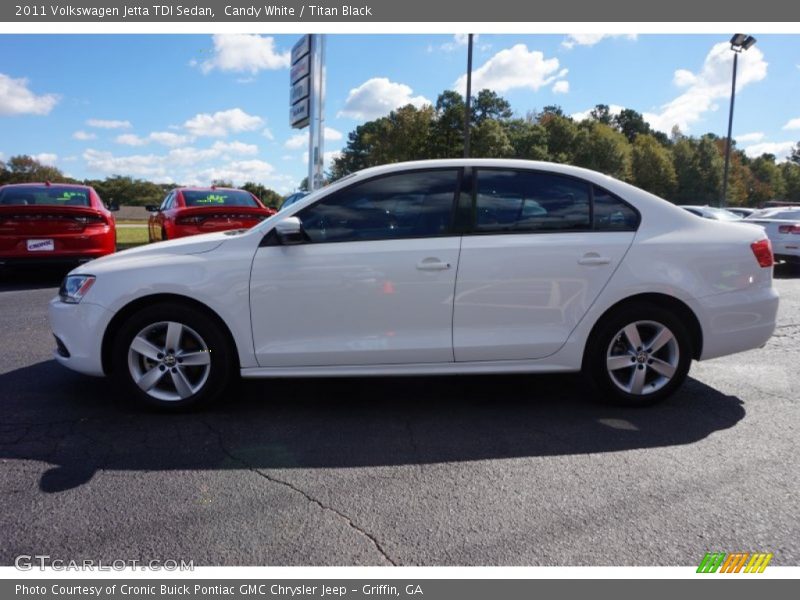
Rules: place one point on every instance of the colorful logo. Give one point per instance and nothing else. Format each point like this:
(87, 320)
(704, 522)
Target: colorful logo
(736, 562)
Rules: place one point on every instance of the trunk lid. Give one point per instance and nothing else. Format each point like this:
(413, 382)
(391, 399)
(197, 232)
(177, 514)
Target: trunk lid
(21, 220)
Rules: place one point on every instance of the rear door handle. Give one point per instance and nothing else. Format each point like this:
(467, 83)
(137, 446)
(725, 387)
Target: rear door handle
(592, 258)
(432, 264)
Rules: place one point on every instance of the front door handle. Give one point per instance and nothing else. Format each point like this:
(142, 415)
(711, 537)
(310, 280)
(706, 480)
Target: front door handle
(432, 264)
(592, 258)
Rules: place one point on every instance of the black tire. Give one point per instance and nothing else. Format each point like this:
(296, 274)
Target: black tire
(656, 387)
(200, 335)
(163, 234)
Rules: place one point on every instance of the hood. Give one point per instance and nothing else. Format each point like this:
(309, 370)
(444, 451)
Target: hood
(196, 244)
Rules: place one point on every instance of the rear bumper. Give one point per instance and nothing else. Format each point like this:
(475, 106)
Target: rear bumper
(80, 328)
(737, 321)
(91, 243)
(789, 258)
(787, 249)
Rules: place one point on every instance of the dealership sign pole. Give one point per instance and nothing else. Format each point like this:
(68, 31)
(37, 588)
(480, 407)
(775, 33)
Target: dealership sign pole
(307, 100)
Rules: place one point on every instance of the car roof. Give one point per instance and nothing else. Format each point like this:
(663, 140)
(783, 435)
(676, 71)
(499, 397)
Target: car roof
(190, 188)
(48, 184)
(480, 162)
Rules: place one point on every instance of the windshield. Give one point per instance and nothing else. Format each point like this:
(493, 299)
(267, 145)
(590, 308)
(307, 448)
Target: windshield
(44, 196)
(218, 198)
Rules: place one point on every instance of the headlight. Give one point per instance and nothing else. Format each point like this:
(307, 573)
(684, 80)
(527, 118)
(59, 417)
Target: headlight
(74, 288)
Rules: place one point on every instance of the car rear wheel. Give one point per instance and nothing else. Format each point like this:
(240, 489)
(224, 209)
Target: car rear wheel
(173, 357)
(639, 355)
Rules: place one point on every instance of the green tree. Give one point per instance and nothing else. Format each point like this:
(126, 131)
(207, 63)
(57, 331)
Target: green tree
(126, 190)
(709, 167)
(490, 140)
(794, 155)
(631, 124)
(562, 135)
(25, 169)
(768, 180)
(603, 149)
(488, 105)
(528, 139)
(791, 181)
(402, 135)
(357, 153)
(553, 109)
(602, 114)
(447, 140)
(652, 167)
(268, 196)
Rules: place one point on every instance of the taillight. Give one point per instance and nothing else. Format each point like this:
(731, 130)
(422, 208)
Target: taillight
(762, 249)
(789, 229)
(91, 220)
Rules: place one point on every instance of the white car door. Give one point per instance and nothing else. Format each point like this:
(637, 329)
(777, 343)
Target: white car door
(374, 282)
(543, 247)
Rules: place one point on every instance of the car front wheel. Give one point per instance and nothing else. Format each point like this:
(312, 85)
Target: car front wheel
(639, 355)
(172, 357)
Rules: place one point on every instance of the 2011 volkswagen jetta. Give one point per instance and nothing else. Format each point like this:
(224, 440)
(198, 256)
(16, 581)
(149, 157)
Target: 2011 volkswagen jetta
(429, 268)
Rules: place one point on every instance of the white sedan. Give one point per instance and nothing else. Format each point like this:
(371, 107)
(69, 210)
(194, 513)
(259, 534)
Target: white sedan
(429, 268)
(782, 226)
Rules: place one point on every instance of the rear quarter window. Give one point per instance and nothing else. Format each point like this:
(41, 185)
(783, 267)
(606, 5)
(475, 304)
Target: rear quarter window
(612, 213)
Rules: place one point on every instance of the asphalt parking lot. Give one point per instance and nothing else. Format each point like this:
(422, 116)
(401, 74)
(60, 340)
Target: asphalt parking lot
(510, 470)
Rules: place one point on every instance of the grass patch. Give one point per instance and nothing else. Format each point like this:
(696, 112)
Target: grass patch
(128, 237)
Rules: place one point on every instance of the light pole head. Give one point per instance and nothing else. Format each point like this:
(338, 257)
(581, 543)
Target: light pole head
(742, 41)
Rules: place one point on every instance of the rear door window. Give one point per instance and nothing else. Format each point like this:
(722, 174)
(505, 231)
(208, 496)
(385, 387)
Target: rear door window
(530, 201)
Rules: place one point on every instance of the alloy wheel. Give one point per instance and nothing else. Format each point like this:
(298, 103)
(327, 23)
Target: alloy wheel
(169, 361)
(642, 357)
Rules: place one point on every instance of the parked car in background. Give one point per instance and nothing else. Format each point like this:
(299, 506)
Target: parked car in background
(53, 223)
(429, 268)
(742, 211)
(712, 212)
(193, 210)
(782, 226)
(292, 198)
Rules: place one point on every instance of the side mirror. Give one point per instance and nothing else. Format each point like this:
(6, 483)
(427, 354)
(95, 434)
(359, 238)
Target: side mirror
(151, 208)
(290, 231)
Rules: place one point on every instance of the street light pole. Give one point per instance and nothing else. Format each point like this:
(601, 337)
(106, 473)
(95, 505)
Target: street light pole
(739, 43)
(468, 106)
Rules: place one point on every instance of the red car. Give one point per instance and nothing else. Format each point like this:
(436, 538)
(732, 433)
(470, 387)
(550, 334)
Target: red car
(53, 223)
(190, 211)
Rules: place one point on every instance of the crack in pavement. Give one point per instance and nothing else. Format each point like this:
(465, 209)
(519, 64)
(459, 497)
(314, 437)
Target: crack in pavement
(272, 479)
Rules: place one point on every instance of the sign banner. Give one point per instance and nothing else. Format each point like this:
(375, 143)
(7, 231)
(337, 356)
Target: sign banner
(443, 11)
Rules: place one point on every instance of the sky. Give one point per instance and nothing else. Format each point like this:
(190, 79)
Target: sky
(193, 108)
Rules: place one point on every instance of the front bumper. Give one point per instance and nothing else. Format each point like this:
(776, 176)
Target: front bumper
(80, 328)
(737, 321)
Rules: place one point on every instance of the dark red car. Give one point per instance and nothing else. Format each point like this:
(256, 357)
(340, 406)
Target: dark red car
(190, 211)
(52, 223)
